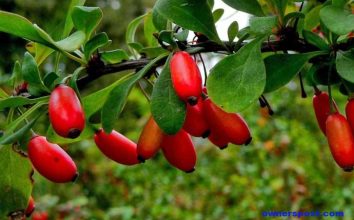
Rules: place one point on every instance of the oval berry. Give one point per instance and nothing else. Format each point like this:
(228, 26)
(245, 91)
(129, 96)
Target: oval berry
(40, 216)
(322, 109)
(231, 125)
(51, 161)
(218, 139)
(30, 207)
(195, 123)
(340, 140)
(186, 78)
(65, 112)
(149, 141)
(179, 151)
(117, 147)
(349, 111)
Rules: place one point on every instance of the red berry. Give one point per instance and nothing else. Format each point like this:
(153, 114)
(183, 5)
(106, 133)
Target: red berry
(340, 140)
(149, 141)
(349, 110)
(231, 125)
(51, 161)
(40, 216)
(322, 109)
(195, 123)
(30, 207)
(65, 112)
(218, 139)
(186, 78)
(117, 147)
(179, 151)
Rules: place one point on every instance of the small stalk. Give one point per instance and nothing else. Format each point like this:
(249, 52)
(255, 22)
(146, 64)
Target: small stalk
(303, 92)
(332, 108)
(270, 110)
(297, 19)
(205, 70)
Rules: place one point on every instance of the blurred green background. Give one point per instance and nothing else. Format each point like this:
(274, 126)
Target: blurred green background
(287, 167)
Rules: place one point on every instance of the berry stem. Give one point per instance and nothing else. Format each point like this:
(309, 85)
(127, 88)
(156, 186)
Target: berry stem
(303, 92)
(205, 70)
(332, 109)
(270, 110)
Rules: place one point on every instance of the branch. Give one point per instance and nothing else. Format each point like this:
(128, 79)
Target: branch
(300, 46)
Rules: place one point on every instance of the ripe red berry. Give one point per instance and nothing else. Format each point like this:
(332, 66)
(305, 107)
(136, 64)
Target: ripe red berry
(117, 147)
(231, 125)
(30, 207)
(340, 140)
(149, 141)
(322, 109)
(218, 139)
(195, 123)
(186, 78)
(65, 112)
(40, 216)
(51, 161)
(179, 151)
(349, 110)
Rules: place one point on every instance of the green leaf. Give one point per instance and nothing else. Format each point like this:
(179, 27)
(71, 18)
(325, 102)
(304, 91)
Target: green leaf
(16, 76)
(248, 6)
(315, 40)
(167, 109)
(98, 41)
(192, 15)
(118, 96)
(232, 31)
(136, 46)
(16, 101)
(159, 21)
(31, 75)
(94, 102)
(68, 21)
(114, 56)
(168, 37)
(149, 30)
(53, 137)
(86, 19)
(15, 181)
(239, 79)
(339, 3)
(293, 15)
(211, 3)
(131, 29)
(3, 94)
(337, 20)
(14, 124)
(281, 6)
(50, 79)
(73, 79)
(217, 14)
(42, 52)
(345, 65)
(182, 35)
(71, 43)
(9, 138)
(262, 25)
(281, 68)
(152, 52)
(19, 26)
(312, 19)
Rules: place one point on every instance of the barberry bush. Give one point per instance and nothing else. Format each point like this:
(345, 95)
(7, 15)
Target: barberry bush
(310, 41)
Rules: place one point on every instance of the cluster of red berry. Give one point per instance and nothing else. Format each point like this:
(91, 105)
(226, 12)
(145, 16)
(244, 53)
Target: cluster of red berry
(203, 119)
(338, 129)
